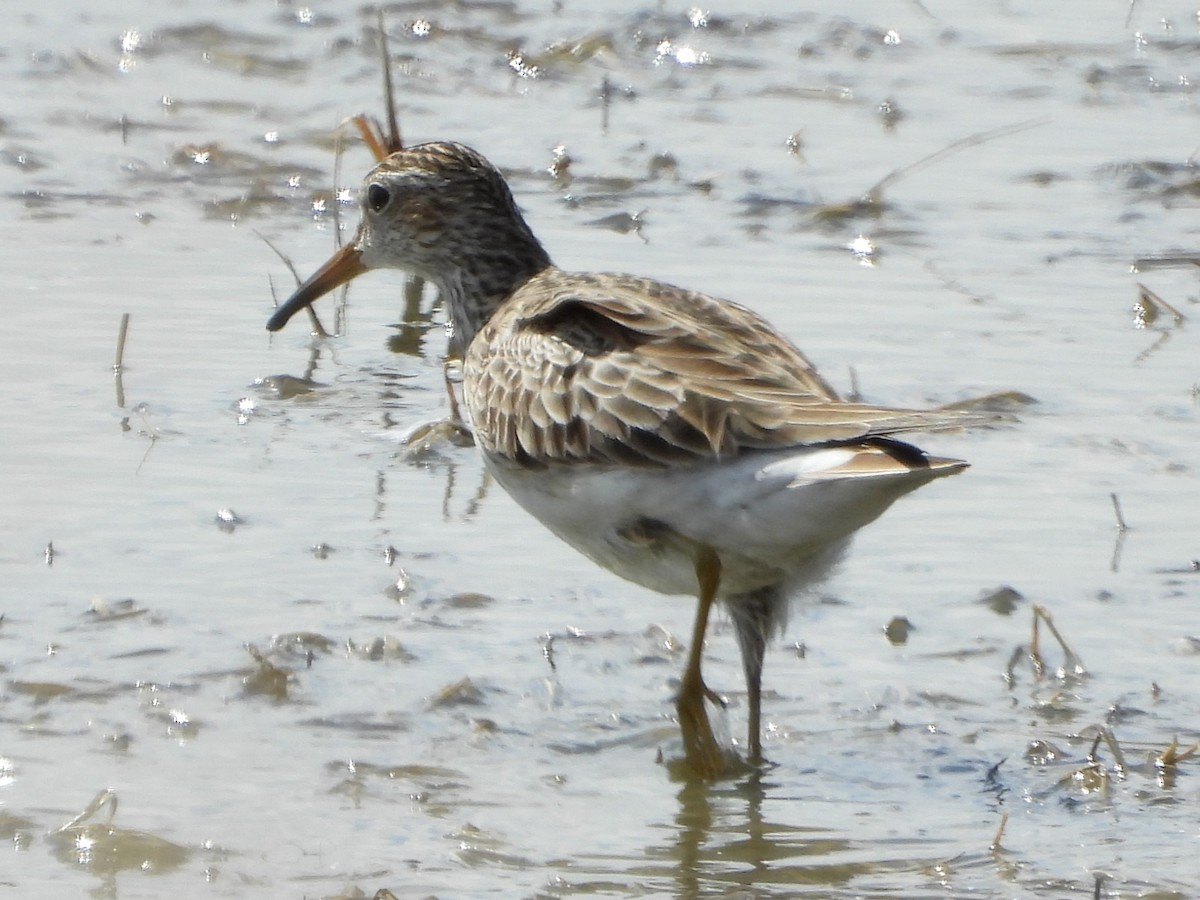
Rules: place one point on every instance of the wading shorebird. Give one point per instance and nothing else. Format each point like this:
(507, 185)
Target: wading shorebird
(674, 438)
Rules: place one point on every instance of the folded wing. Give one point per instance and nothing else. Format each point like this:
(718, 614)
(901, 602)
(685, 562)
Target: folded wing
(620, 370)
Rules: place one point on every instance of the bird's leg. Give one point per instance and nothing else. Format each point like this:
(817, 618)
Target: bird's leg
(700, 746)
(751, 615)
(455, 413)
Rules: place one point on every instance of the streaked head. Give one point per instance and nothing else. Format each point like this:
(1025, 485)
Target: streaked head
(441, 211)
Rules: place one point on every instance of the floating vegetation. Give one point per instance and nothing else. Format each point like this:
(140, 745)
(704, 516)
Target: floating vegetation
(266, 679)
(1151, 311)
(93, 841)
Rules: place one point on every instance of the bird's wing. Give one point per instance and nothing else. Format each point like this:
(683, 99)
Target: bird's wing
(618, 370)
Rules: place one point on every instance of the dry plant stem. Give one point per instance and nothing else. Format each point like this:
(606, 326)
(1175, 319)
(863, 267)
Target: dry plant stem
(1072, 664)
(972, 140)
(1171, 755)
(338, 148)
(119, 361)
(393, 141)
(855, 393)
(372, 136)
(1169, 261)
(1010, 671)
(1035, 650)
(1121, 526)
(1122, 530)
(871, 200)
(382, 144)
(1146, 295)
(106, 798)
(315, 325)
(995, 845)
(1148, 308)
(122, 334)
(605, 102)
(1104, 733)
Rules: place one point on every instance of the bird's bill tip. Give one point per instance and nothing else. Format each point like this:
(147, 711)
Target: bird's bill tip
(343, 266)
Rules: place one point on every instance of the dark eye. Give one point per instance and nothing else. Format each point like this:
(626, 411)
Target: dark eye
(377, 196)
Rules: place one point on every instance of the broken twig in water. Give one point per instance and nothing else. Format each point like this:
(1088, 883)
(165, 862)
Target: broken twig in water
(1169, 261)
(1072, 664)
(605, 103)
(1104, 734)
(122, 334)
(1146, 311)
(995, 845)
(871, 201)
(972, 140)
(1121, 526)
(317, 328)
(394, 142)
(382, 144)
(1122, 530)
(119, 361)
(106, 800)
(1148, 306)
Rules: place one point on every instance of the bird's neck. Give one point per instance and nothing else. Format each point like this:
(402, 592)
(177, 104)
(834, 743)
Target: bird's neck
(474, 291)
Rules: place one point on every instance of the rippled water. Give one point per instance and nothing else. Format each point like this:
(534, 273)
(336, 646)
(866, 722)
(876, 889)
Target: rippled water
(266, 634)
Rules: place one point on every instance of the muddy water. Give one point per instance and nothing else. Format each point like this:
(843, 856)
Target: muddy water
(265, 633)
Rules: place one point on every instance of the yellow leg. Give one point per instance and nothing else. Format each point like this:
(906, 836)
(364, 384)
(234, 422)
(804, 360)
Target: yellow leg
(700, 746)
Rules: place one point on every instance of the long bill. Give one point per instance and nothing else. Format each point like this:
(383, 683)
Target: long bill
(341, 267)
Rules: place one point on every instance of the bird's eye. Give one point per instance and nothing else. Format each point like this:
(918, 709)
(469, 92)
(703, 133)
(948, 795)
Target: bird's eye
(377, 196)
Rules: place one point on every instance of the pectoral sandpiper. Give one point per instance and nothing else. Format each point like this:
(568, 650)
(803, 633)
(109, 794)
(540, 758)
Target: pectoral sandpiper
(674, 438)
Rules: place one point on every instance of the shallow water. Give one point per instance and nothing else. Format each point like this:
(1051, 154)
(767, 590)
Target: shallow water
(281, 706)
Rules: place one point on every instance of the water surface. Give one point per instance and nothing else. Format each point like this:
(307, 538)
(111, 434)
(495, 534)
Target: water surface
(381, 673)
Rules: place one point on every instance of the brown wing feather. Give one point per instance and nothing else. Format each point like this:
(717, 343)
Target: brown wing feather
(616, 369)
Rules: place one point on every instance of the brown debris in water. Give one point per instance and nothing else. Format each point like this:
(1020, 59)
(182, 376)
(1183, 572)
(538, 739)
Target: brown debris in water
(382, 648)
(40, 691)
(266, 679)
(91, 841)
(463, 692)
(897, 630)
(1149, 308)
(1166, 762)
(1002, 600)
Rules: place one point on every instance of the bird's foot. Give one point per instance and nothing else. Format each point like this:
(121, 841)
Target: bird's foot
(703, 752)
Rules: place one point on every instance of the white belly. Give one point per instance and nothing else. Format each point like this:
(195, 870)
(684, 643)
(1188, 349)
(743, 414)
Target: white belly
(773, 518)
